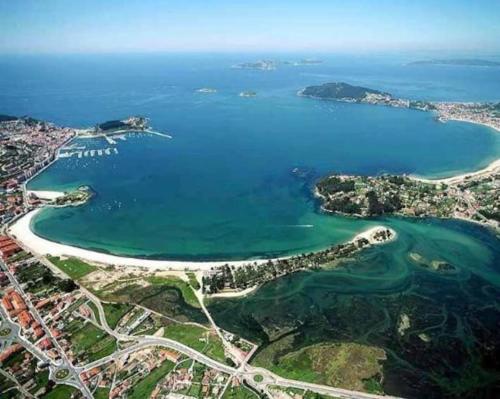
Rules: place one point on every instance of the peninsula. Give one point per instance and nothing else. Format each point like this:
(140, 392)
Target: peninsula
(473, 197)
(482, 113)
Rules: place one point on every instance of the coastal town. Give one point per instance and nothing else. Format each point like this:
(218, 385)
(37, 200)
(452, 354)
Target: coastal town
(27, 146)
(71, 328)
(78, 327)
(473, 197)
(487, 114)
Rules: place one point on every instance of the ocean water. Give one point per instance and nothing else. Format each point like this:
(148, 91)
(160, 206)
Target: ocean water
(223, 187)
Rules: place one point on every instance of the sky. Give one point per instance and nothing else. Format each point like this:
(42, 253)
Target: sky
(121, 26)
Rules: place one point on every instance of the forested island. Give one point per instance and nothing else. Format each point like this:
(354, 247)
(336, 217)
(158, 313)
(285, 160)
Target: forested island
(340, 91)
(131, 123)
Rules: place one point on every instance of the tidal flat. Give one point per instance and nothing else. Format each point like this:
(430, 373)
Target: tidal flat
(397, 326)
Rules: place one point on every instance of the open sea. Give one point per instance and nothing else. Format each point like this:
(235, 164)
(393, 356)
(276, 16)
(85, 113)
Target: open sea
(224, 188)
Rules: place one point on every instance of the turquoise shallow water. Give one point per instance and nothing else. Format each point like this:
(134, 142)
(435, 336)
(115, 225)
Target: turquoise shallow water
(223, 187)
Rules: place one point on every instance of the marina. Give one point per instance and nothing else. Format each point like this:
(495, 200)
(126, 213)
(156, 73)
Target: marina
(80, 152)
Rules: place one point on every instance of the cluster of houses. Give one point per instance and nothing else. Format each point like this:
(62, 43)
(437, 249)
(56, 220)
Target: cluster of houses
(26, 146)
(8, 247)
(137, 365)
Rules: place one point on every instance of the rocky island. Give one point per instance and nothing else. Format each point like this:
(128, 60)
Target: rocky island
(132, 123)
(248, 93)
(206, 90)
(261, 65)
(74, 198)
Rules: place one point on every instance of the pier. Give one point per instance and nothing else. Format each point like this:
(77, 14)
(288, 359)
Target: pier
(158, 134)
(82, 153)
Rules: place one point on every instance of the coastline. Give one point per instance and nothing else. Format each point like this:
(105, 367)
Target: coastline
(22, 233)
(494, 166)
(46, 195)
(21, 228)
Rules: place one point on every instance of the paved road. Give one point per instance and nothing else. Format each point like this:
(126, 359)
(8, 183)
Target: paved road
(244, 371)
(19, 387)
(145, 342)
(74, 374)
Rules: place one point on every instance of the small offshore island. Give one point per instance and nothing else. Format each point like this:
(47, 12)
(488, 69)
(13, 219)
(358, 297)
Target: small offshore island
(169, 304)
(248, 93)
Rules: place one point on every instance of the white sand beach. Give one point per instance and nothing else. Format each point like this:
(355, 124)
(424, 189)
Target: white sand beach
(370, 235)
(234, 294)
(491, 168)
(21, 231)
(39, 246)
(46, 195)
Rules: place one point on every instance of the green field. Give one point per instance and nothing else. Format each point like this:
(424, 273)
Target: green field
(90, 341)
(114, 312)
(144, 387)
(41, 380)
(101, 393)
(239, 393)
(60, 392)
(95, 311)
(172, 297)
(344, 365)
(193, 281)
(185, 288)
(195, 337)
(74, 268)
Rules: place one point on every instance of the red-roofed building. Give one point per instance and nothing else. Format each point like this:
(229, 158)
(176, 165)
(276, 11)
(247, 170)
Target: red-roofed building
(7, 304)
(17, 301)
(45, 344)
(38, 331)
(6, 243)
(10, 351)
(55, 332)
(25, 319)
(9, 250)
(40, 304)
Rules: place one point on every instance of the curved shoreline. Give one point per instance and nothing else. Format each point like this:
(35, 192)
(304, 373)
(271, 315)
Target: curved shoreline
(492, 167)
(21, 229)
(21, 232)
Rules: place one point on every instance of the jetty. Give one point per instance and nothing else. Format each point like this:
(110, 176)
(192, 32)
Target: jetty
(87, 153)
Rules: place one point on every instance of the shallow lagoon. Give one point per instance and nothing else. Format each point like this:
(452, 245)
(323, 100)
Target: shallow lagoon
(363, 301)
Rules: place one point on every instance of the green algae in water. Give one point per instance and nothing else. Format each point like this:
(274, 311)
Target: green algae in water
(363, 301)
